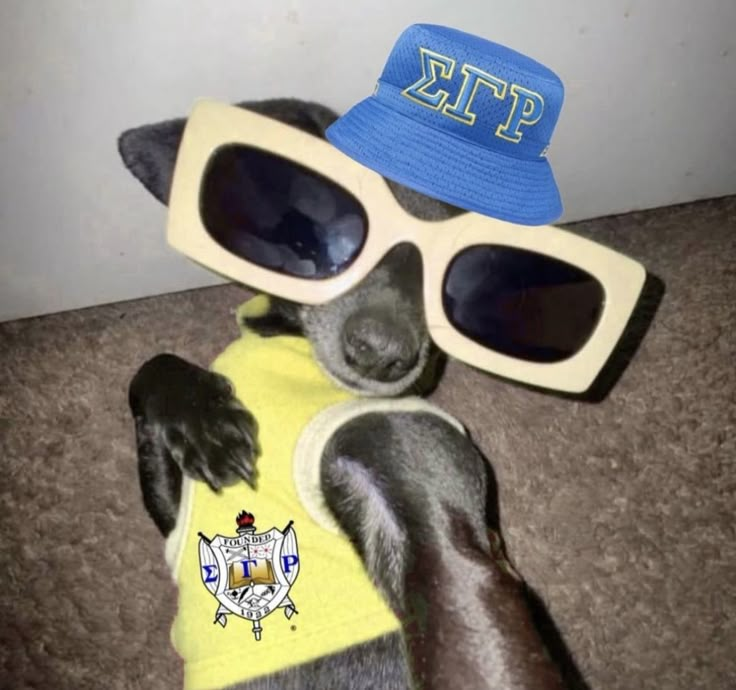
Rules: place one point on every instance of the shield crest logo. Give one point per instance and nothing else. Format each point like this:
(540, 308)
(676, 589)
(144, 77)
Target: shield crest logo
(250, 574)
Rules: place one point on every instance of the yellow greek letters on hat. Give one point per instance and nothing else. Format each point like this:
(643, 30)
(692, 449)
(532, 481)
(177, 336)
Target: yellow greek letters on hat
(532, 107)
(473, 78)
(526, 109)
(431, 62)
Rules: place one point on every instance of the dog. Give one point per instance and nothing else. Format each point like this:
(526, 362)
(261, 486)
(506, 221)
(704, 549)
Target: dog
(398, 512)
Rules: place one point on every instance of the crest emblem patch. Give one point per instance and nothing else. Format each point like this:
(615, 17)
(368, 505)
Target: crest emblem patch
(250, 574)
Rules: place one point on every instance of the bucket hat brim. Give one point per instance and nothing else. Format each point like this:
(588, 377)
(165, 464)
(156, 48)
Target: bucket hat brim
(447, 167)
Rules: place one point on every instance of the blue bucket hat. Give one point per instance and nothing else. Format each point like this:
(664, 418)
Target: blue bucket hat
(461, 119)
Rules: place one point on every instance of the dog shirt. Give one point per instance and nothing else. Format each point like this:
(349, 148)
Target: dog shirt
(331, 604)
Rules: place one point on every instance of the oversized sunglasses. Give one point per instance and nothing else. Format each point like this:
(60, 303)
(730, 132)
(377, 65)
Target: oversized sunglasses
(283, 211)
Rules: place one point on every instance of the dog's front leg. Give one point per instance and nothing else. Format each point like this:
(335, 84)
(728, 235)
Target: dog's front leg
(410, 491)
(187, 420)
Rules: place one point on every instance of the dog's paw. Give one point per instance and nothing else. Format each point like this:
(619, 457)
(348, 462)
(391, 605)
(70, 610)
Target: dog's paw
(192, 416)
(218, 445)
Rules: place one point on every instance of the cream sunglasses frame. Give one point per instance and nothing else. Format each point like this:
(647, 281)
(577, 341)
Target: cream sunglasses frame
(212, 125)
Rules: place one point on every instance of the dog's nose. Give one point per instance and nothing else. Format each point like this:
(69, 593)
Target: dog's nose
(379, 347)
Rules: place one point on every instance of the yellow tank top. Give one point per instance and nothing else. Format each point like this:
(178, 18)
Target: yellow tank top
(331, 604)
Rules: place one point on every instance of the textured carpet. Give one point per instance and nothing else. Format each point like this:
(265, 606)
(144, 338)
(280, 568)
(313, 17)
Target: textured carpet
(619, 513)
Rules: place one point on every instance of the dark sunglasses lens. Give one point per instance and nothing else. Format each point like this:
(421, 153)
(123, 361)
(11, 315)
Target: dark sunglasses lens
(520, 303)
(280, 215)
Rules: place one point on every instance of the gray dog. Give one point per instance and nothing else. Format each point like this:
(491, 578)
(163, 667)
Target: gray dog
(372, 340)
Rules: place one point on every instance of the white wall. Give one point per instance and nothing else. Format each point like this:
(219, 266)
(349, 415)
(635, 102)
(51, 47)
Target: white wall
(649, 120)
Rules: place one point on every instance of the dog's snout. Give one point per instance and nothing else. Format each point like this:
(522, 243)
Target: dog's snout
(379, 347)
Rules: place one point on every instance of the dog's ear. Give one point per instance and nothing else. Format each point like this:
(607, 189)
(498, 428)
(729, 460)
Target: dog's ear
(311, 118)
(149, 152)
